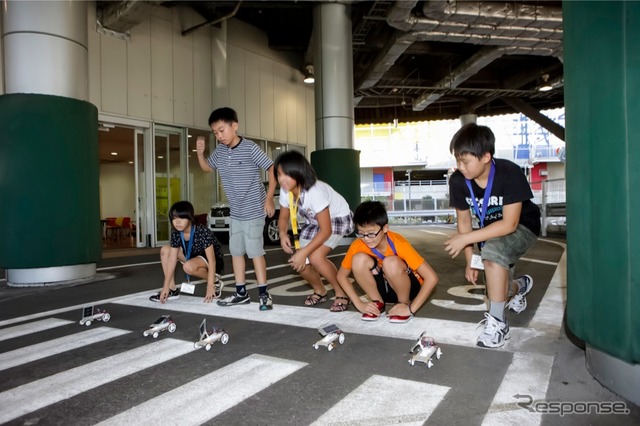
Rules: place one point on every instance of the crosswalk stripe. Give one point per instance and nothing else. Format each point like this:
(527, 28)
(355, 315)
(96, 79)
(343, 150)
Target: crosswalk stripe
(528, 376)
(56, 346)
(384, 400)
(210, 395)
(35, 395)
(443, 331)
(32, 327)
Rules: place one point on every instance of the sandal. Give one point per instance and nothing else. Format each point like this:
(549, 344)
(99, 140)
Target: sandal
(315, 299)
(340, 306)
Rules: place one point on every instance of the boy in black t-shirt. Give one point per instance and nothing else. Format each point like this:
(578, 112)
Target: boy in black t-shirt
(498, 194)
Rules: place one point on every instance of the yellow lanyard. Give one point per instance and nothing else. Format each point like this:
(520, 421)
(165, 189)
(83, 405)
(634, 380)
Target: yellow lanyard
(293, 210)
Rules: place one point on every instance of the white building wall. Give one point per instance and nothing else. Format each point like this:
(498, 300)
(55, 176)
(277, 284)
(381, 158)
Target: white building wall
(162, 76)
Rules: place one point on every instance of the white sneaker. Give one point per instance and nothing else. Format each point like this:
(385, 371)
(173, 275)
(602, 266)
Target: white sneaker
(518, 302)
(495, 332)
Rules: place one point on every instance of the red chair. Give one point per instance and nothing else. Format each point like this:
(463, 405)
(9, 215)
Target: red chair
(111, 228)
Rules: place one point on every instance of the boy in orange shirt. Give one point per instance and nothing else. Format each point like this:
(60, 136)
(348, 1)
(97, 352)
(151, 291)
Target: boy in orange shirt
(386, 267)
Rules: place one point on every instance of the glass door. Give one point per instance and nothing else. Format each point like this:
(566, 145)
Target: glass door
(168, 174)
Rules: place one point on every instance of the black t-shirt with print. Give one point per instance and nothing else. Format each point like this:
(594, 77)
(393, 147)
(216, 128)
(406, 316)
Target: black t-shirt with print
(202, 238)
(509, 186)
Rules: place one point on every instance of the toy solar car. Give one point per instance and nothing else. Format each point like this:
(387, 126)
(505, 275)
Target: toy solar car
(424, 349)
(330, 334)
(163, 323)
(90, 314)
(208, 339)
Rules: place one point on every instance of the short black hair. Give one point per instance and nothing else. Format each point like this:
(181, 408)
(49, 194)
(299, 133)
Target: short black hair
(473, 139)
(226, 114)
(296, 166)
(182, 210)
(370, 213)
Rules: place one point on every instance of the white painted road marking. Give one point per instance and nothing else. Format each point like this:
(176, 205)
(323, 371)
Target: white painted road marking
(56, 346)
(202, 399)
(32, 327)
(35, 395)
(443, 331)
(386, 400)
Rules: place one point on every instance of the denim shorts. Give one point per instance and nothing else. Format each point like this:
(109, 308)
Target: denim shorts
(505, 251)
(246, 237)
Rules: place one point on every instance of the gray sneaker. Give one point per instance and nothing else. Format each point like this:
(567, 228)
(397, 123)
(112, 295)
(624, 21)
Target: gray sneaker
(495, 332)
(234, 299)
(518, 302)
(266, 302)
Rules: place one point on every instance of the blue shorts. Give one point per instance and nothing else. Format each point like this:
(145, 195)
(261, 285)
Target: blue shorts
(246, 237)
(505, 251)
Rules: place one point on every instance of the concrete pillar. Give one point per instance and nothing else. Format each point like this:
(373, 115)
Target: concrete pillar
(48, 146)
(333, 63)
(468, 118)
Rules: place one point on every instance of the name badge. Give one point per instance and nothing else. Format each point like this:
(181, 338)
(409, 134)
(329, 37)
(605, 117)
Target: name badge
(187, 288)
(476, 262)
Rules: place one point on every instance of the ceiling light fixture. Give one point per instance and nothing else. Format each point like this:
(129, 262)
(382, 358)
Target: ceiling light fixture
(309, 77)
(545, 84)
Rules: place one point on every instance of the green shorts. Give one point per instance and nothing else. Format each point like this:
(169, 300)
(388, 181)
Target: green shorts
(505, 251)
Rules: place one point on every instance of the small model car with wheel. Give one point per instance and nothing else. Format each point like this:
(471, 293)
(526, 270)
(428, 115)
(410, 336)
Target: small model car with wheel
(331, 334)
(208, 339)
(91, 313)
(424, 350)
(163, 323)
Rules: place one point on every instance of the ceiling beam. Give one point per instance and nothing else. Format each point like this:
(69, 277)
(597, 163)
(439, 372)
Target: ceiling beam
(522, 107)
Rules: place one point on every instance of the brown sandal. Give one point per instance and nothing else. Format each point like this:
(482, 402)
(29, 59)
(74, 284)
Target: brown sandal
(340, 306)
(315, 299)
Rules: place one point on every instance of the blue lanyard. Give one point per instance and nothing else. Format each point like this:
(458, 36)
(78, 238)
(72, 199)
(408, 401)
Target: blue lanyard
(187, 250)
(485, 197)
(380, 255)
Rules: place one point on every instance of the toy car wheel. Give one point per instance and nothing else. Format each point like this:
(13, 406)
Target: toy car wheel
(341, 339)
(195, 345)
(315, 347)
(224, 339)
(429, 364)
(155, 334)
(172, 327)
(106, 317)
(412, 361)
(438, 353)
(145, 334)
(208, 347)
(330, 346)
(88, 323)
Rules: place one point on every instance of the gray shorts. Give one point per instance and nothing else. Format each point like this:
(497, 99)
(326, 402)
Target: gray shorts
(332, 242)
(505, 251)
(246, 237)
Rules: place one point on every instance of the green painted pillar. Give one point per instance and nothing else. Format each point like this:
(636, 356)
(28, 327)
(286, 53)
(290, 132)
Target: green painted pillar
(340, 168)
(602, 88)
(49, 190)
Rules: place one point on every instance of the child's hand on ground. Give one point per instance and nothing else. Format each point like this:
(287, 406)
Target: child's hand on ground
(164, 293)
(370, 308)
(211, 294)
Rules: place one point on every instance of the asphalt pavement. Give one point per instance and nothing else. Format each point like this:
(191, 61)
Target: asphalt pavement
(55, 371)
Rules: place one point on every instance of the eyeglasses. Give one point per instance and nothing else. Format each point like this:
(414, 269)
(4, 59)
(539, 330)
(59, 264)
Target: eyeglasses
(369, 235)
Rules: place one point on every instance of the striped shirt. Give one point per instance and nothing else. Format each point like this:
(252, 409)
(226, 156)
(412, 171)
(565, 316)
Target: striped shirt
(239, 169)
